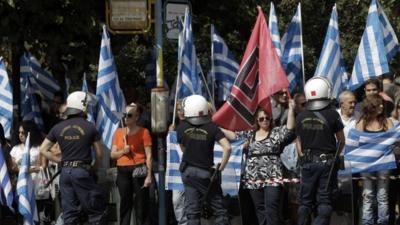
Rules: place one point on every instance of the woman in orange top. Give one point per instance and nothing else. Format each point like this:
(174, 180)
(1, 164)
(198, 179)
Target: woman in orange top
(132, 148)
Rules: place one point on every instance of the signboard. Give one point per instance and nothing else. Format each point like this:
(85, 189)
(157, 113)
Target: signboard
(174, 11)
(128, 15)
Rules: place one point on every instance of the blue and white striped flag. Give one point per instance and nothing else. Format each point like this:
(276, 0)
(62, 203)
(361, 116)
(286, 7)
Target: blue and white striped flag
(5, 183)
(89, 108)
(369, 152)
(111, 97)
(26, 189)
(6, 100)
(190, 72)
(40, 79)
(224, 66)
(291, 45)
(230, 175)
(30, 107)
(331, 62)
(274, 29)
(377, 47)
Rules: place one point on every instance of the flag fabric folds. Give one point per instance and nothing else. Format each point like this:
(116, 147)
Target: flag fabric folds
(377, 47)
(41, 80)
(6, 100)
(5, 183)
(190, 72)
(292, 51)
(230, 175)
(224, 67)
(369, 152)
(331, 62)
(30, 107)
(255, 81)
(26, 189)
(111, 97)
(274, 29)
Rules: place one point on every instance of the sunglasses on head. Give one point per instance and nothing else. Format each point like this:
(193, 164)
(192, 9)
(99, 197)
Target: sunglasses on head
(261, 119)
(128, 115)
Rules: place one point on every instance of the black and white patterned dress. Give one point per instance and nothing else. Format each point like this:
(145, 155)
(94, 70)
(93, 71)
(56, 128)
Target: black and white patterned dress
(263, 162)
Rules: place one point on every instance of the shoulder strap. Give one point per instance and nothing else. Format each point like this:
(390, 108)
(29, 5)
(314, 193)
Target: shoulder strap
(321, 117)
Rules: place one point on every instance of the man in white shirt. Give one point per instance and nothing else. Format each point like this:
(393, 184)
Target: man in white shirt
(346, 110)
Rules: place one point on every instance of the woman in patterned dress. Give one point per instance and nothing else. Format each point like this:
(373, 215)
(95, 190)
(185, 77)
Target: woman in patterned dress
(263, 170)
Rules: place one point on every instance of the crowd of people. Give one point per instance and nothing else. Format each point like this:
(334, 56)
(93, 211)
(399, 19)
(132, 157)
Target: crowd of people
(300, 137)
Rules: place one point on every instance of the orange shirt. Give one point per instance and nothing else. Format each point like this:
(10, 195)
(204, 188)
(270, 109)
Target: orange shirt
(137, 142)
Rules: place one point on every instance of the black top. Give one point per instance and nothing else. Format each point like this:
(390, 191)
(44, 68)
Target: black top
(198, 142)
(315, 134)
(75, 137)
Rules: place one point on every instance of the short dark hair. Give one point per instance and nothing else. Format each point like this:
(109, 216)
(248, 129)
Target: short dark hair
(375, 82)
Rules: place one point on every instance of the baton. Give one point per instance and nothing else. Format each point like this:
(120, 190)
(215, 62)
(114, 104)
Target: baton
(213, 178)
(52, 178)
(333, 166)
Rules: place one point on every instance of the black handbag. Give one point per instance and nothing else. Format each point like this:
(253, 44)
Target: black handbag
(139, 171)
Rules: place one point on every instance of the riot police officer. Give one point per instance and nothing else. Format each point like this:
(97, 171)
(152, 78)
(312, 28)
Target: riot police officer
(319, 129)
(196, 136)
(76, 136)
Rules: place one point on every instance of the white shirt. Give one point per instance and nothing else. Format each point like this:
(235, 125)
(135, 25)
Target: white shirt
(18, 151)
(349, 123)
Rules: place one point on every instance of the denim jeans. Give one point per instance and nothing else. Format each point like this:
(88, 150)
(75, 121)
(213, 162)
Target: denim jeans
(375, 190)
(266, 202)
(178, 200)
(196, 181)
(314, 178)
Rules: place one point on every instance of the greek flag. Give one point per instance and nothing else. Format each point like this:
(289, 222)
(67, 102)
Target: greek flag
(41, 80)
(6, 100)
(369, 152)
(377, 47)
(26, 189)
(331, 62)
(224, 66)
(5, 183)
(89, 108)
(292, 51)
(111, 98)
(230, 175)
(30, 107)
(190, 72)
(274, 29)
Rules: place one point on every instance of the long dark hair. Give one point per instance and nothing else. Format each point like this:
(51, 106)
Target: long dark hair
(370, 111)
(36, 137)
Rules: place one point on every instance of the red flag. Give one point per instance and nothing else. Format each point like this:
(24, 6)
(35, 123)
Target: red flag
(260, 76)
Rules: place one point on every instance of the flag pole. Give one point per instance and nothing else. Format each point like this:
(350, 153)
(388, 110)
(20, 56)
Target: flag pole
(212, 64)
(301, 41)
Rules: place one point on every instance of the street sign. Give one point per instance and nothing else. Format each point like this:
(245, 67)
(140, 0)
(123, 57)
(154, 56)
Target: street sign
(174, 11)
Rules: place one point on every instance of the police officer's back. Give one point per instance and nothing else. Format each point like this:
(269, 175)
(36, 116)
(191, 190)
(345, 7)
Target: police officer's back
(196, 136)
(318, 129)
(75, 137)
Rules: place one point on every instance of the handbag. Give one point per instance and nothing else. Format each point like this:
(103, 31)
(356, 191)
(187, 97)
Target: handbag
(42, 190)
(139, 171)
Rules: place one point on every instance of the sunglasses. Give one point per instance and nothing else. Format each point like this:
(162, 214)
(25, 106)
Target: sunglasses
(261, 119)
(128, 115)
(282, 93)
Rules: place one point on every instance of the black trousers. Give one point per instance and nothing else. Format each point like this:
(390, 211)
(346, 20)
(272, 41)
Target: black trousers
(132, 195)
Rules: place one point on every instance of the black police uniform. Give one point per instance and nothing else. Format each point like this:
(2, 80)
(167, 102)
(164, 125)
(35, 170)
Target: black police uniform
(317, 130)
(196, 165)
(78, 188)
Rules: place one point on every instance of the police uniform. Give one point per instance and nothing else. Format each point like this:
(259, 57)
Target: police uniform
(197, 139)
(316, 128)
(75, 136)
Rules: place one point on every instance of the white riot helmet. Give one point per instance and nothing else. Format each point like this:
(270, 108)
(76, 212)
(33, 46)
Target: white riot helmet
(78, 101)
(318, 93)
(195, 108)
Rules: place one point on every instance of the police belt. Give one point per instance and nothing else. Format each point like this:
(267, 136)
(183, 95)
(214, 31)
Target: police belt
(321, 158)
(76, 164)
